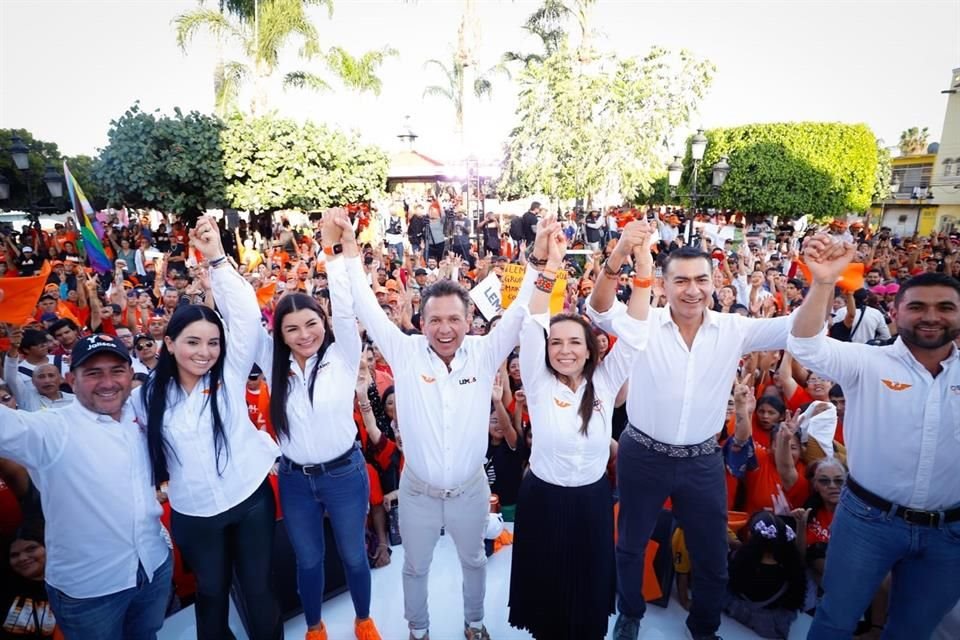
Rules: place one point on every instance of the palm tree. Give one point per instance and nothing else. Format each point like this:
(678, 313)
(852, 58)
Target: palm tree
(452, 87)
(260, 29)
(548, 23)
(913, 141)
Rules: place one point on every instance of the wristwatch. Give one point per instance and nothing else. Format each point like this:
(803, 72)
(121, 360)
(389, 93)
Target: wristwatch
(335, 250)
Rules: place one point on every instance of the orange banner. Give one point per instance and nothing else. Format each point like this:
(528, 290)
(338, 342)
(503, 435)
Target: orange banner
(265, 294)
(19, 296)
(850, 280)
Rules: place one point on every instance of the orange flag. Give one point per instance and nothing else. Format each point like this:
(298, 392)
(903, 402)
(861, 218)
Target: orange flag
(19, 296)
(850, 280)
(265, 294)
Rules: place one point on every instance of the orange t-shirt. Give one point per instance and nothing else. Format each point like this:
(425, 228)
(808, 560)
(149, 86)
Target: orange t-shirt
(799, 398)
(762, 484)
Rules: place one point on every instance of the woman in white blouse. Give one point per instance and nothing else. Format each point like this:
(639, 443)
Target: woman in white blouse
(562, 580)
(312, 368)
(200, 438)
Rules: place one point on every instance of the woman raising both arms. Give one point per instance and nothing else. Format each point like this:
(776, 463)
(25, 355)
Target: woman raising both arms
(562, 580)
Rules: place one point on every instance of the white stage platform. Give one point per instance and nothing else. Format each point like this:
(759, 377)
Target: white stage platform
(446, 608)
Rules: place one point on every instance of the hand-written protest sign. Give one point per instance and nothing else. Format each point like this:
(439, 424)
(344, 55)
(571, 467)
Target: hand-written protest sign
(559, 293)
(486, 296)
(513, 276)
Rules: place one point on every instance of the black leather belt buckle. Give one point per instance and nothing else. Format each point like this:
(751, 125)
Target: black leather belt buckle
(922, 518)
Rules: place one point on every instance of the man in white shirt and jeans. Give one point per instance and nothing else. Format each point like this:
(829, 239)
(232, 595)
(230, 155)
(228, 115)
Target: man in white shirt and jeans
(444, 380)
(676, 405)
(900, 510)
(109, 571)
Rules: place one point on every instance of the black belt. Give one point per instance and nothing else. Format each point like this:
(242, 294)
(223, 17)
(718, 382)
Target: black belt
(913, 516)
(323, 467)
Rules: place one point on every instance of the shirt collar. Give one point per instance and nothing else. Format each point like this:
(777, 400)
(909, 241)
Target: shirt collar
(126, 415)
(708, 317)
(901, 349)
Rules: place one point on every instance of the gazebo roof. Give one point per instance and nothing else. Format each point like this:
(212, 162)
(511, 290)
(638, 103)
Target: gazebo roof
(411, 164)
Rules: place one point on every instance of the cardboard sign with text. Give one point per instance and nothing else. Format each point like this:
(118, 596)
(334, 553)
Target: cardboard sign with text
(513, 276)
(486, 296)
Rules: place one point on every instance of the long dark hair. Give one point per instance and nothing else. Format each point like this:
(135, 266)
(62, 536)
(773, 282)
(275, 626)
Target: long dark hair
(280, 378)
(593, 359)
(155, 390)
(744, 562)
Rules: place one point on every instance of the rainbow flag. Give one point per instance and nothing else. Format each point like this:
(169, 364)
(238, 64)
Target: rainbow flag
(88, 241)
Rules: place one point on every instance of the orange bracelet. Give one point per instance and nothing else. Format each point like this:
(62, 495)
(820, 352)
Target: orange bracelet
(328, 251)
(642, 283)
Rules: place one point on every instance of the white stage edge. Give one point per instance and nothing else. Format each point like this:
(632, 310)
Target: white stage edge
(446, 608)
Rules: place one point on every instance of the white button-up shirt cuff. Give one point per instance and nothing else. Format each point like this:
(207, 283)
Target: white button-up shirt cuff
(803, 348)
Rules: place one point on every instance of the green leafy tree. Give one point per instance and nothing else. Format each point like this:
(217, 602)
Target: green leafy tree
(174, 164)
(591, 124)
(790, 169)
(884, 174)
(914, 141)
(260, 31)
(273, 163)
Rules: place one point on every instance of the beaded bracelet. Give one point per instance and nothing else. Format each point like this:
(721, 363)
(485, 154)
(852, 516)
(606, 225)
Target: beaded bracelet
(610, 273)
(544, 283)
(537, 262)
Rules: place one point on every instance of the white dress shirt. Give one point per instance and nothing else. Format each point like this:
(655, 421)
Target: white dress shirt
(561, 455)
(101, 509)
(445, 415)
(196, 488)
(324, 429)
(902, 425)
(679, 395)
(28, 398)
(872, 326)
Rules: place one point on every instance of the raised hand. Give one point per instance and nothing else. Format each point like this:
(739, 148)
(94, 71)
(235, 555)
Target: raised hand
(205, 237)
(743, 395)
(827, 257)
(556, 249)
(331, 229)
(546, 227)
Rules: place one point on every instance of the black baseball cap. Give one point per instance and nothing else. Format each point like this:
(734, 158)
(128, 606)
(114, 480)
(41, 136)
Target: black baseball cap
(90, 346)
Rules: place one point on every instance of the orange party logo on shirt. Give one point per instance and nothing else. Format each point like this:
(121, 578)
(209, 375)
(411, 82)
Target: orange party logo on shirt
(895, 386)
(561, 403)
(427, 379)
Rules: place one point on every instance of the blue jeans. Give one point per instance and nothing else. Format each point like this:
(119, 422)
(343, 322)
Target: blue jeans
(698, 492)
(866, 543)
(344, 495)
(136, 613)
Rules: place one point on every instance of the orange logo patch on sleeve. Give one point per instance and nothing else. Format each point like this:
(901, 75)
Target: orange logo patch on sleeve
(895, 386)
(563, 404)
(427, 378)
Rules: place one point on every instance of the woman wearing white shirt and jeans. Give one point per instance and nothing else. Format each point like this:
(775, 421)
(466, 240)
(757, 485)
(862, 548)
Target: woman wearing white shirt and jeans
(563, 576)
(200, 437)
(322, 471)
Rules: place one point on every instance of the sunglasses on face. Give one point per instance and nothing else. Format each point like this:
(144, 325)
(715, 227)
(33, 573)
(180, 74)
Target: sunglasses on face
(826, 482)
(146, 344)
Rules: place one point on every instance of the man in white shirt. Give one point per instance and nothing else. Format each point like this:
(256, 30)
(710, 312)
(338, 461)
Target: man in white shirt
(444, 380)
(900, 511)
(109, 570)
(43, 391)
(676, 405)
(868, 323)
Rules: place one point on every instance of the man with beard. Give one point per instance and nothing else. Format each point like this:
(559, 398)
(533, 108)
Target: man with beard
(900, 513)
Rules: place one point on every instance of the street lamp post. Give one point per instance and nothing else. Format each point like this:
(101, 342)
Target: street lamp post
(720, 170)
(20, 154)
